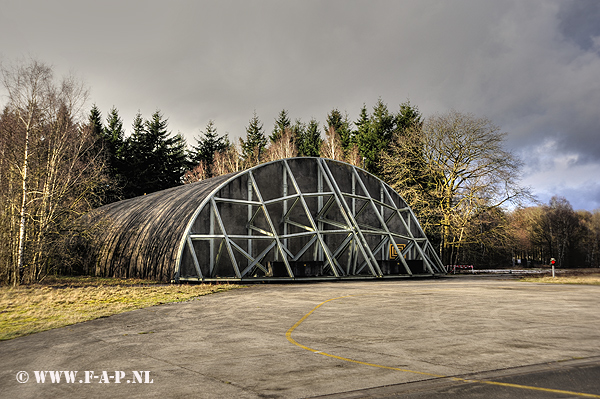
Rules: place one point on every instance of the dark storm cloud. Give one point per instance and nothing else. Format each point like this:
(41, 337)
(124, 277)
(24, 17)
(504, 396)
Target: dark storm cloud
(532, 66)
(580, 22)
(584, 197)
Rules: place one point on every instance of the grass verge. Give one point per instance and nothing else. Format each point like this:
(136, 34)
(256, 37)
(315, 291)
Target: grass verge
(59, 302)
(580, 276)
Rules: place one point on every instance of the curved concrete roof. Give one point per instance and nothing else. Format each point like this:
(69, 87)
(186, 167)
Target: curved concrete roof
(140, 237)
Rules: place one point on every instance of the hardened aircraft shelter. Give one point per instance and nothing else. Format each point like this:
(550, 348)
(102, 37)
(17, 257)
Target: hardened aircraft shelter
(287, 220)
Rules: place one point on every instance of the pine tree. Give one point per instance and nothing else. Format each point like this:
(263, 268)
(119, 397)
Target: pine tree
(97, 130)
(255, 143)
(95, 121)
(362, 130)
(298, 130)
(341, 124)
(409, 117)
(114, 128)
(281, 124)
(156, 160)
(374, 140)
(363, 122)
(114, 137)
(208, 145)
(177, 156)
(382, 122)
(138, 125)
(168, 154)
(114, 147)
(310, 145)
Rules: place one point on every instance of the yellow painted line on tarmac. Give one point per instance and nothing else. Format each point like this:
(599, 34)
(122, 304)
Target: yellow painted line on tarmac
(289, 332)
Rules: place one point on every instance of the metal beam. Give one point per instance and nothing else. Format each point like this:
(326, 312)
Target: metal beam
(270, 222)
(330, 259)
(227, 239)
(346, 213)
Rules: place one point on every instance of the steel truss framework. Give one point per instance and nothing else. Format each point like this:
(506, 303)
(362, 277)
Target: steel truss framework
(304, 218)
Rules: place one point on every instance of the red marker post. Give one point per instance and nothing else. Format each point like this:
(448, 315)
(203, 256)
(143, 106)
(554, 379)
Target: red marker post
(552, 262)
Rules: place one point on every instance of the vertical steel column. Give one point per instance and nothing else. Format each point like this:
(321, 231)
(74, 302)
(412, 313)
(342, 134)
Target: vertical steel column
(352, 253)
(250, 215)
(412, 250)
(211, 231)
(383, 249)
(319, 250)
(285, 206)
(353, 193)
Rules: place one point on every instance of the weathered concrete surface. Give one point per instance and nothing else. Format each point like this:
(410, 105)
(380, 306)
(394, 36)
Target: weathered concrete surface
(580, 377)
(234, 344)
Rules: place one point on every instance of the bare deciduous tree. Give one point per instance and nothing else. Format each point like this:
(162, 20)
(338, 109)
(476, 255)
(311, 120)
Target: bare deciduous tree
(593, 239)
(353, 156)
(558, 226)
(200, 172)
(283, 147)
(53, 159)
(451, 170)
(227, 161)
(29, 95)
(555, 230)
(332, 146)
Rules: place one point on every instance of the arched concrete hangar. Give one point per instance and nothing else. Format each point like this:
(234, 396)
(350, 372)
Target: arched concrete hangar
(291, 219)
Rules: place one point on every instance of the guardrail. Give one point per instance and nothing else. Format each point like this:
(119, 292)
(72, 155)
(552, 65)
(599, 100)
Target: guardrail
(454, 267)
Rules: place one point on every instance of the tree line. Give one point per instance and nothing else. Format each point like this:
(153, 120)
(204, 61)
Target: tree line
(58, 161)
(555, 230)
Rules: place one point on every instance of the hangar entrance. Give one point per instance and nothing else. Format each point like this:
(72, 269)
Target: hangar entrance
(304, 218)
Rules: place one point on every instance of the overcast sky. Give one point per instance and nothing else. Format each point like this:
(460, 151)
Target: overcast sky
(532, 67)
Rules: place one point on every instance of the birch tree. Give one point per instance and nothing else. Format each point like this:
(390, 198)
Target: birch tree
(283, 147)
(227, 161)
(54, 162)
(29, 91)
(332, 145)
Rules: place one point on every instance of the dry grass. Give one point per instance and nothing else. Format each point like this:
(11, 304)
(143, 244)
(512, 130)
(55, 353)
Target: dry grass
(579, 276)
(63, 301)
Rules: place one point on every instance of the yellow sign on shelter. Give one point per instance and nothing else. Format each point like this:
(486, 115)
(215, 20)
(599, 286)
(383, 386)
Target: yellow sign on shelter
(393, 253)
